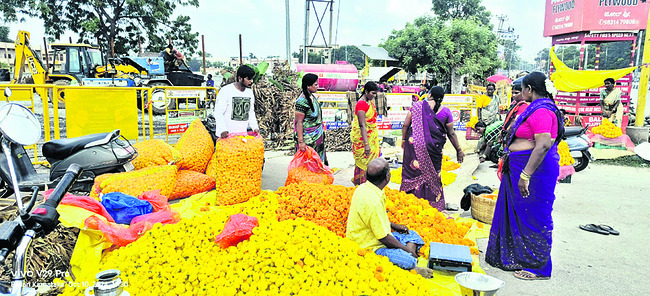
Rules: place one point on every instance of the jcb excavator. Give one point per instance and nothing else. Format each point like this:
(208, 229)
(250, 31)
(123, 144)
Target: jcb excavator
(83, 64)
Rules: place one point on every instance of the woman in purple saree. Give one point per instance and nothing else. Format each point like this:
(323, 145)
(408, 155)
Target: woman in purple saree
(424, 133)
(521, 234)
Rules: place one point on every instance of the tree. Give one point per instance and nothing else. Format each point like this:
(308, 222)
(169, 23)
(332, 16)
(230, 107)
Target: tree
(511, 58)
(542, 59)
(4, 34)
(351, 54)
(462, 9)
(116, 25)
(313, 58)
(461, 47)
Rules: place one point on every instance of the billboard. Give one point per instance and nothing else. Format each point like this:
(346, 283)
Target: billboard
(568, 16)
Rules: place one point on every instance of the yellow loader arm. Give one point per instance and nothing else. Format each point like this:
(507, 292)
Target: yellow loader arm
(25, 53)
(118, 71)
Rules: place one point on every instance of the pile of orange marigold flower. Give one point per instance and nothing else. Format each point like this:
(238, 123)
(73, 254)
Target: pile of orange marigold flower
(329, 205)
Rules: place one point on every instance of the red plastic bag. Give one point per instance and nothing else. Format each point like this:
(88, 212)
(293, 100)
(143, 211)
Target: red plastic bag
(84, 202)
(117, 234)
(164, 217)
(307, 167)
(156, 199)
(238, 228)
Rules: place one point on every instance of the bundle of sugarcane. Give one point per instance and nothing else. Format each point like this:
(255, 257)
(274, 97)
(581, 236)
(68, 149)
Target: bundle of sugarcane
(338, 139)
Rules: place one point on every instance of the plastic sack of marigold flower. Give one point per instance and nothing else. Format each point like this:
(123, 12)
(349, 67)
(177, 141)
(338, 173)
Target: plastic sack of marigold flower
(155, 152)
(239, 161)
(238, 228)
(306, 167)
(137, 182)
(196, 147)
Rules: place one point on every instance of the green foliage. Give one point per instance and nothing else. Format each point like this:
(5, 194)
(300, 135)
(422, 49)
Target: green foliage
(462, 9)
(463, 46)
(569, 54)
(512, 59)
(4, 65)
(354, 55)
(120, 23)
(313, 58)
(4, 34)
(613, 55)
(543, 55)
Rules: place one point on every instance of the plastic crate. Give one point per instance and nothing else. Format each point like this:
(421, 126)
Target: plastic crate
(471, 134)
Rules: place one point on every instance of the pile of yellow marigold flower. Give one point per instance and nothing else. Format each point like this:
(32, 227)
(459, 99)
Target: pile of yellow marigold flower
(608, 129)
(291, 257)
(446, 176)
(239, 161)
(565, 154)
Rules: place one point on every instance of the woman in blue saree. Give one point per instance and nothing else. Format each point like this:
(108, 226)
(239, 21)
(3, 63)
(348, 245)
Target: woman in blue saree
(521, 234)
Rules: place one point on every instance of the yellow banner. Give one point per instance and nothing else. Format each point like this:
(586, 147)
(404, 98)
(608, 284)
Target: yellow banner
(99, 110)
(569, 80)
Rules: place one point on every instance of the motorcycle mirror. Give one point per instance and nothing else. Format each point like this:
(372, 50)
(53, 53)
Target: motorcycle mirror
(7, 92)
(19, 124)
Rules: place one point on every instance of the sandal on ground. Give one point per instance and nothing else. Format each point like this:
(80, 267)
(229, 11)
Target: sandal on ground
(609, 229)
(594, 228)
(529, 276)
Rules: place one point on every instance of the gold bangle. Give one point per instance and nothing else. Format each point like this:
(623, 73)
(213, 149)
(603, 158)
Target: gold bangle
(525, 176)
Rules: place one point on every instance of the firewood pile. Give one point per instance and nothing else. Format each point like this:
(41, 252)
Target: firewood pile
(275, 106)
(338, 139)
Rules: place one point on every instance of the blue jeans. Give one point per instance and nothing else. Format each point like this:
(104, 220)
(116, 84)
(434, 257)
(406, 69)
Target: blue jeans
(399, 257)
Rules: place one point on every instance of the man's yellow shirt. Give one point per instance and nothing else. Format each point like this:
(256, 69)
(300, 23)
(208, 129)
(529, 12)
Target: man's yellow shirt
(367, 219)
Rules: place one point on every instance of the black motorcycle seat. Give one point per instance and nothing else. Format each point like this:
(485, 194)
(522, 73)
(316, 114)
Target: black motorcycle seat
(572, 131)
(62, 148)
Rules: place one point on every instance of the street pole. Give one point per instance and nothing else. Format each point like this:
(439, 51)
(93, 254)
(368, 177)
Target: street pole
(330, 45)
(305, 55)
(643, 82)
(286, 4)
(241, 56)
(203, 50)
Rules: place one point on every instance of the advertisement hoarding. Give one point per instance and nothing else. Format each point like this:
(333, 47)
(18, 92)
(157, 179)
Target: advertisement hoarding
(568, 16)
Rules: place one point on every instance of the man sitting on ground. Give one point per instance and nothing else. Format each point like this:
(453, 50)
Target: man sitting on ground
(368, 223)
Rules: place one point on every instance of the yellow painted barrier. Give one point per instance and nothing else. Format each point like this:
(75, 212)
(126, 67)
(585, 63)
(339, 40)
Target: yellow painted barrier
(177, 119)
(92, 110)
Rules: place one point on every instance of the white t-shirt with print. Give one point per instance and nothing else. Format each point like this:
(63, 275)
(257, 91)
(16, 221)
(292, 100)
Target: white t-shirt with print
(234, 110)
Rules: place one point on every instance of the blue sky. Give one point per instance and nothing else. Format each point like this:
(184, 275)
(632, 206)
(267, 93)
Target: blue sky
(262, 23)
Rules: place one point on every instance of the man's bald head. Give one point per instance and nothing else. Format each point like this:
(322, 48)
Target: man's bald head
(377, 171)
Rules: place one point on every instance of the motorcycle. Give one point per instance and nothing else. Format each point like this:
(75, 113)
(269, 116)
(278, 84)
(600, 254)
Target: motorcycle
(96, 154)
(578, 143)
(19, 127)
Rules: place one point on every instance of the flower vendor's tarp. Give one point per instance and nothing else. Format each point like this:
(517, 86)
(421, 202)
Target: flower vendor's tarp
(91, 244)
(569, 80)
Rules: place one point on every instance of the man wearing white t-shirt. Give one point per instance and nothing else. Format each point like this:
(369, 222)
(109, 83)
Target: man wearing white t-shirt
(234, 110)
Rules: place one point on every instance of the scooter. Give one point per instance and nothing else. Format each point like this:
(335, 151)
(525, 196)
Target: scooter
(19, 127)
(96, 154)
(578, 143)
